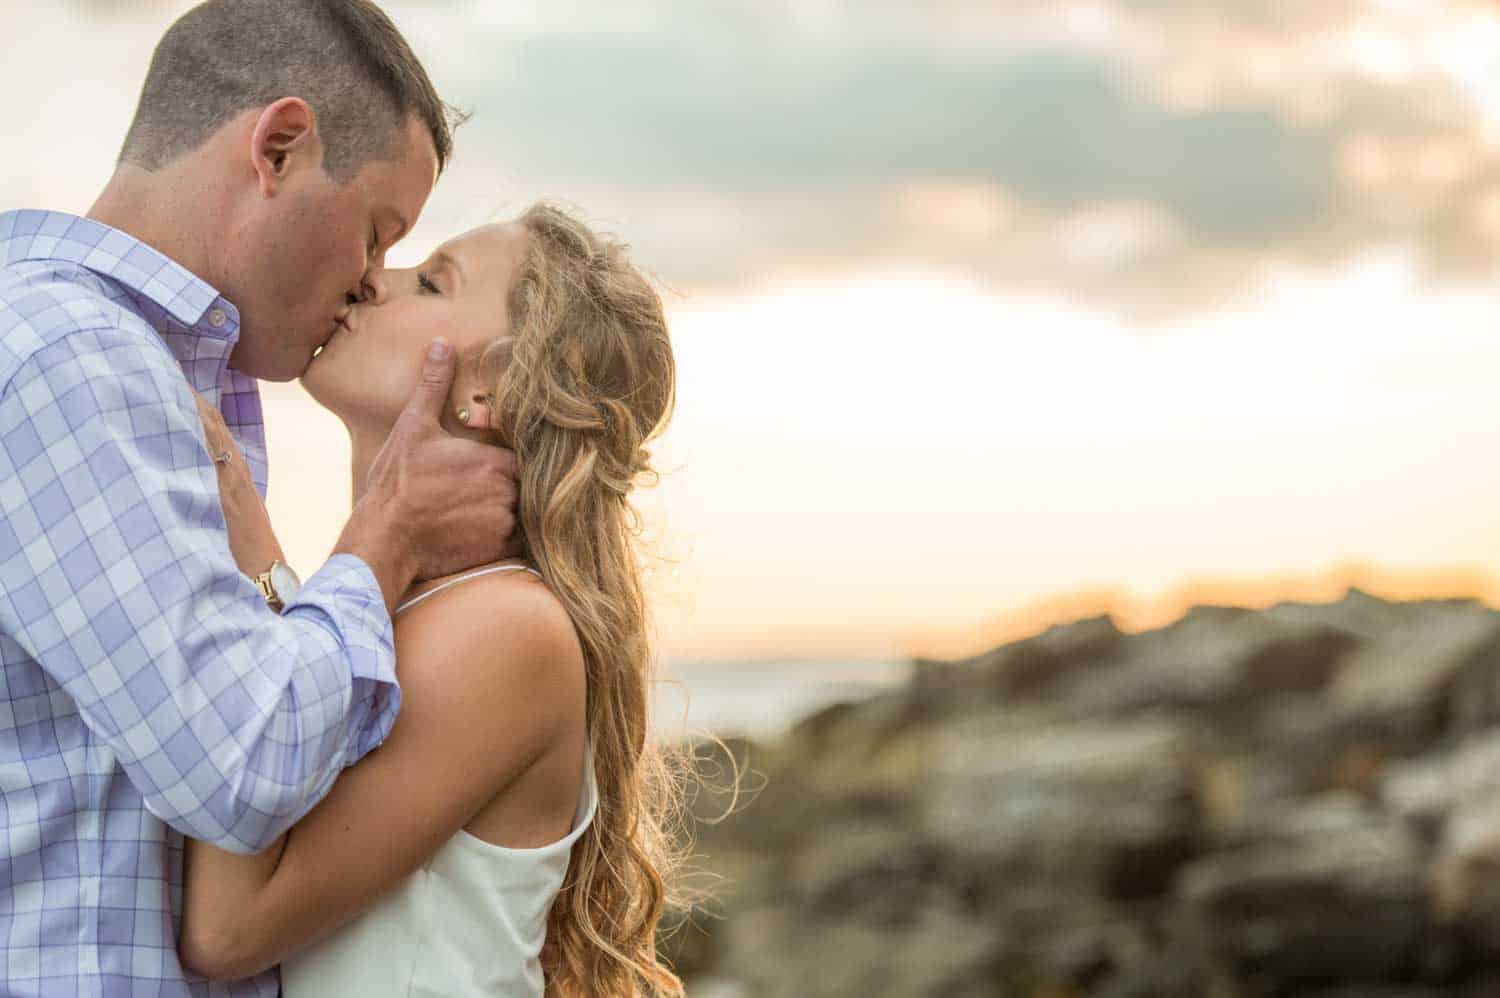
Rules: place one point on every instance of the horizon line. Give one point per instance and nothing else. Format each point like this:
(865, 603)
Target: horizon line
(1132, 613)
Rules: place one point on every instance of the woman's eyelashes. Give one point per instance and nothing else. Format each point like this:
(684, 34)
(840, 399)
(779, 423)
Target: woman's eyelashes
(425, 285)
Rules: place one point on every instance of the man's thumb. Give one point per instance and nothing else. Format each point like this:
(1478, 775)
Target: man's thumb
(431, 393)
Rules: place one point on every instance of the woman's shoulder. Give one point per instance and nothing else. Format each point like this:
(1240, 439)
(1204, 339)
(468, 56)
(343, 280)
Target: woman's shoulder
(500, 614)
(484, 575)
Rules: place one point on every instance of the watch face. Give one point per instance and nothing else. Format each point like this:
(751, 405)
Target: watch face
(285, 582)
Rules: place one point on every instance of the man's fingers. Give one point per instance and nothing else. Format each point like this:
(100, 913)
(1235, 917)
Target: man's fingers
(480, 459)
(507, 462)
(431, 394)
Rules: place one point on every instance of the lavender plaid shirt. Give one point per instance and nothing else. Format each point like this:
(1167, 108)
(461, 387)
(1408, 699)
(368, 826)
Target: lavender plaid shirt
(147, 691)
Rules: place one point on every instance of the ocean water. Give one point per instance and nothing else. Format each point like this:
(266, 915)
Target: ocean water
(762, 699)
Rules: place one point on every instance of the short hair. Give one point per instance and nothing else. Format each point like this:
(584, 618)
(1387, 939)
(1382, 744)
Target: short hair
(344, 57)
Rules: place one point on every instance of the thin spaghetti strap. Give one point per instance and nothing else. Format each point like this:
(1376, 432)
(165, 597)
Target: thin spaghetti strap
(492, 570)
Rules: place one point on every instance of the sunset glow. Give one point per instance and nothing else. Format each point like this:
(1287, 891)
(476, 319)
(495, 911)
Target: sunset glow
(1206, 330)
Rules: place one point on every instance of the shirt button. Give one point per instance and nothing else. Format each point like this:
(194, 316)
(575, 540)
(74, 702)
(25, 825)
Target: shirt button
(217, 318)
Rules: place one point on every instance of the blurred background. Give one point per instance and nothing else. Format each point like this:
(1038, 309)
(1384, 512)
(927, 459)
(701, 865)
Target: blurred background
(988, 314)
(992, 316)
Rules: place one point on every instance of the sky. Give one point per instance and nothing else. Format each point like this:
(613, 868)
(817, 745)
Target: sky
(987, 314)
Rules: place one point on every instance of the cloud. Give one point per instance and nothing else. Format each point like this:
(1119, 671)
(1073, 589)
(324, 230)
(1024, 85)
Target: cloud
(1056, 130)
(807, 146)
(1134, 153)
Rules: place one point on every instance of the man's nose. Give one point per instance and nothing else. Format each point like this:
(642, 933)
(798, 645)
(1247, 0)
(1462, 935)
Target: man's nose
(374, 286)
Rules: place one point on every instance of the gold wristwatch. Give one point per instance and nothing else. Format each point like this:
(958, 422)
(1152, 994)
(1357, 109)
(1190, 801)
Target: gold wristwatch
(279, 585)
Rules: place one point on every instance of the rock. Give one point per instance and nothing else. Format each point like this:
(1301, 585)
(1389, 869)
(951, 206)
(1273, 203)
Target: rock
(1028, 668)
(719, 987)
(879, 872)
(938, 681)
(1365, 991)
(1274, 756)
(1213, 658)
(689, 946)
(1466, 901)
(822, 725)
(1426, 790)
(1301, 661)
(1085, 957)
(878, 748)
(1017, 671)
(1103, 803)
(1465, 877)
(1322, 816)
(1301, 747)
(1302, 801)
(937, 951)
(1345, 905)
(1366, 617)
(1434, 675)
(1176, 972)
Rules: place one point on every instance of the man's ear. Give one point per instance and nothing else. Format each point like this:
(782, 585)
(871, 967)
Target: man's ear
(285, 137)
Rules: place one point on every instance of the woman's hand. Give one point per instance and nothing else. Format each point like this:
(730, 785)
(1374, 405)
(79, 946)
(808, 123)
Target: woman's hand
(254, 546)
(251, 539)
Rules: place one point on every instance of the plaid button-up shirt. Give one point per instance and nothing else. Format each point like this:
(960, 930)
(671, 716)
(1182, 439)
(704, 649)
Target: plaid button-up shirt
(147, 692)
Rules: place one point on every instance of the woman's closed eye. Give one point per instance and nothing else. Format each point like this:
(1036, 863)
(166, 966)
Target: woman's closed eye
(425, 285)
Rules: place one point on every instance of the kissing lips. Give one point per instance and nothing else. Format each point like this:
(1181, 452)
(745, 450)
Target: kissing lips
(340, 324)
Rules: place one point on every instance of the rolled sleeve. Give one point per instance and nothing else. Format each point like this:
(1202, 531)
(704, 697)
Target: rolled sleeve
(345, 588)
(117, 577)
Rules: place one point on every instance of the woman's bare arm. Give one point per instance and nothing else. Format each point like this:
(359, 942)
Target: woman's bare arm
(491, 674)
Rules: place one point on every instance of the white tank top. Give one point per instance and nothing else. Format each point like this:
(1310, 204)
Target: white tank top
(471, 922)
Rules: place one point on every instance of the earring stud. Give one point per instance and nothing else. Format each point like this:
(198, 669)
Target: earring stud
(464, 416)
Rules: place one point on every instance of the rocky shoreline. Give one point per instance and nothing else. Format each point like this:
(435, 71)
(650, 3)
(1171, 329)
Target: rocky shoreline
(1298, 801)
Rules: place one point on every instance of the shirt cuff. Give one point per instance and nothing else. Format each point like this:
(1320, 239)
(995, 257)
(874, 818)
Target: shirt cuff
(346, 590)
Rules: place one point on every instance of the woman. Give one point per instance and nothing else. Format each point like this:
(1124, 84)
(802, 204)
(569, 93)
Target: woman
(511, 828)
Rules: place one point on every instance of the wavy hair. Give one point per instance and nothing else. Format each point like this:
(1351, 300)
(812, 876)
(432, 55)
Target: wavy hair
(584, 382)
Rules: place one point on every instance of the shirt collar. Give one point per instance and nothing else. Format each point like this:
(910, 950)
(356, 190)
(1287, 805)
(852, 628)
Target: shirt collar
(150, 274)
(199, 325)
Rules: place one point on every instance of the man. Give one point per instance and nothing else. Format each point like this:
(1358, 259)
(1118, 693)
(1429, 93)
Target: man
(150, 691)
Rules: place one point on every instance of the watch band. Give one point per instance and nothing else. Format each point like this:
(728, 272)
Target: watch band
(268, 590)
(279, 585)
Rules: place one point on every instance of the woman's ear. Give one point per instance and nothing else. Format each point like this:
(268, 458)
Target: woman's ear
(475, 411)
(285, 138)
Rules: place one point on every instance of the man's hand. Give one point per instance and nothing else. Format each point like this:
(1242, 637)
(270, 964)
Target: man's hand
(434, 504)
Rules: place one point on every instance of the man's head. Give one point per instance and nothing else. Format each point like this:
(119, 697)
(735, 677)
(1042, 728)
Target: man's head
(315, 134)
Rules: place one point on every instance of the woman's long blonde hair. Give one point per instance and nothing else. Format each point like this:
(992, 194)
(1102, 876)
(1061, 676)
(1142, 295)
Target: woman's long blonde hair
(584, 382)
